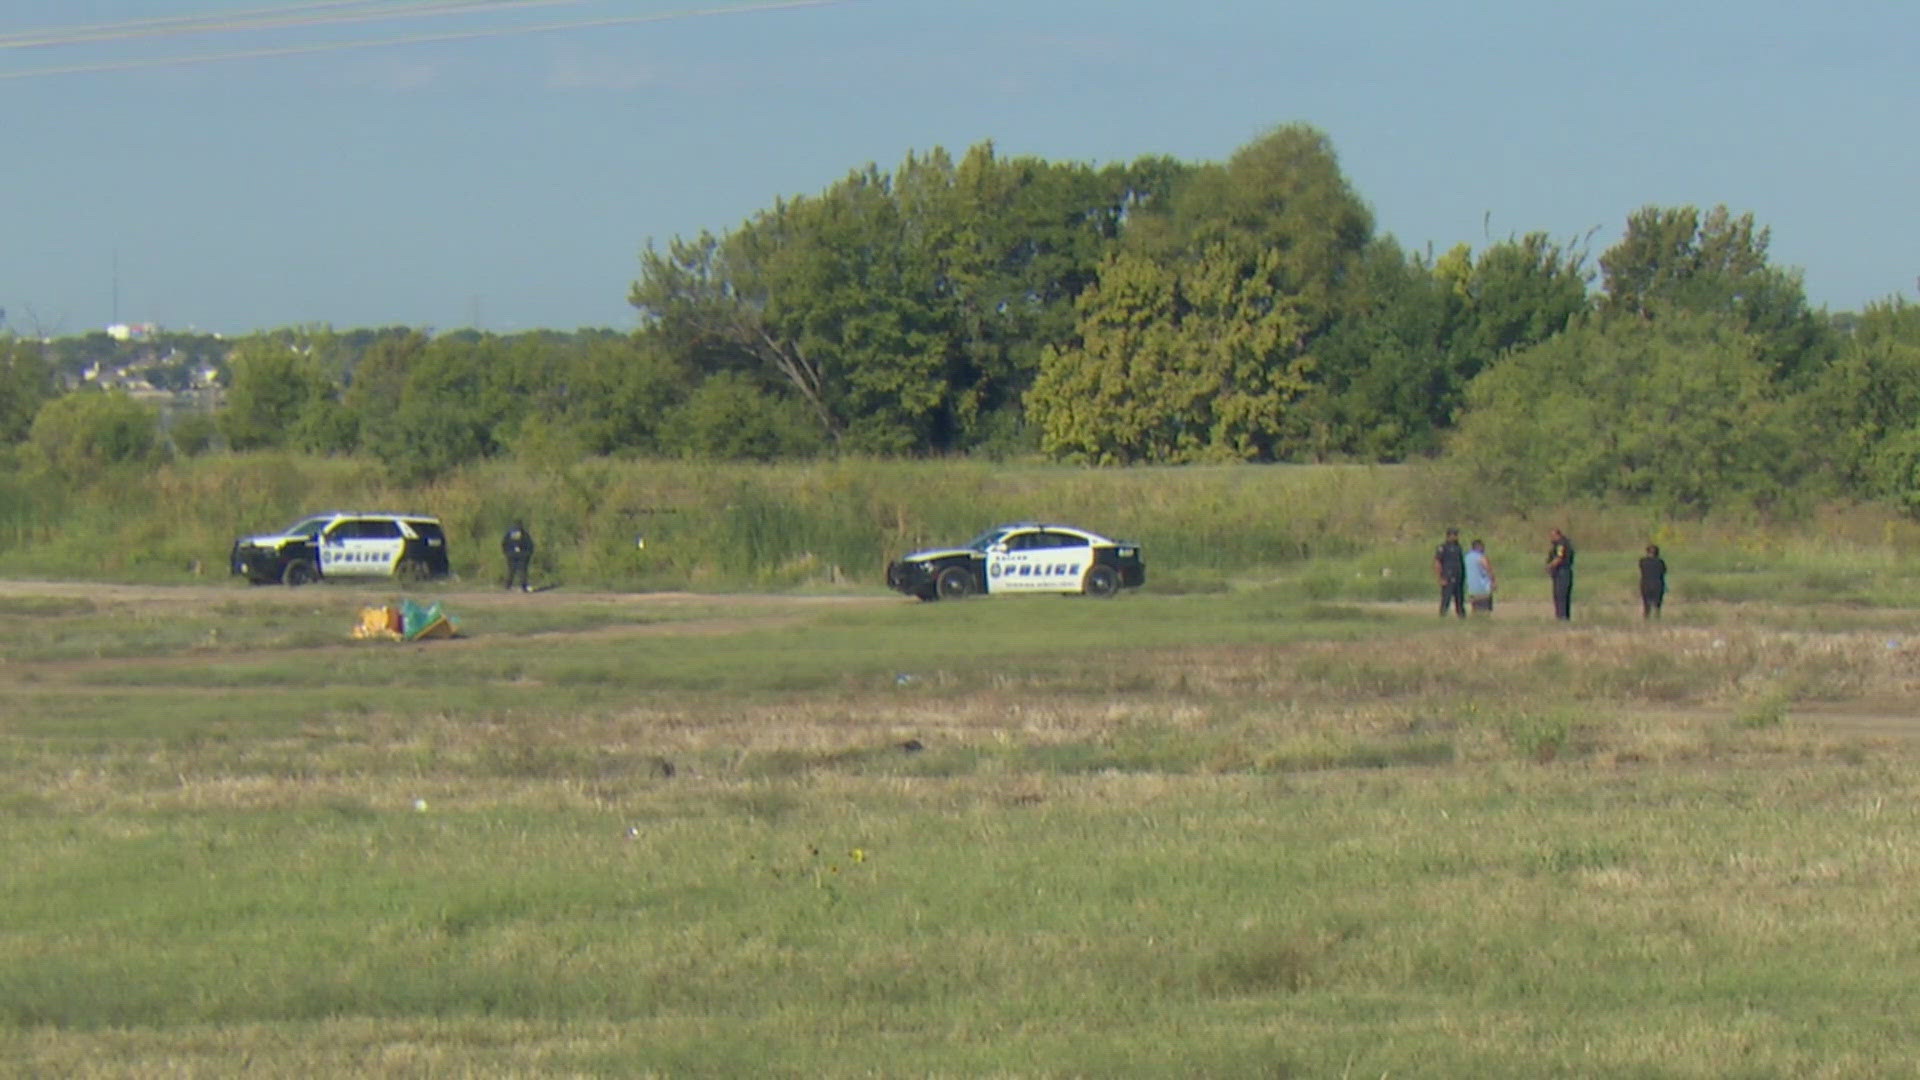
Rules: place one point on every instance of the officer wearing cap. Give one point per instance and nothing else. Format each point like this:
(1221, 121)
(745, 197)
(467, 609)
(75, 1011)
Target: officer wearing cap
(1450, 567)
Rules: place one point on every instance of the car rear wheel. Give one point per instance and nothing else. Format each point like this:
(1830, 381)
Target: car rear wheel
(954, 583)
(300, 572)
(411, 570)
(1102, 581)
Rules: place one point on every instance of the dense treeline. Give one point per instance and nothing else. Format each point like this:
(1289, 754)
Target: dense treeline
(1154, 312)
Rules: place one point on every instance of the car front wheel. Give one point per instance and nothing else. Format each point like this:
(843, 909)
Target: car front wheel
(954, 583)
(1102, 581)
(300, 572)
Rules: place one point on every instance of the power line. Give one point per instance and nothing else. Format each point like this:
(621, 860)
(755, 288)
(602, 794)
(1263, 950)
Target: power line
(332, 12)
(411, 39)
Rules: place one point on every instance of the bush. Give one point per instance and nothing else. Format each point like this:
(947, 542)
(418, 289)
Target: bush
(1679, 413)
(193, 434)
(87, 431)
(729, 417)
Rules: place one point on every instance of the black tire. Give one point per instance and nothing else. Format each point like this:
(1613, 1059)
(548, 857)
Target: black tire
(300, 572)
(1102, 581)
(954, 583)
(411, 571)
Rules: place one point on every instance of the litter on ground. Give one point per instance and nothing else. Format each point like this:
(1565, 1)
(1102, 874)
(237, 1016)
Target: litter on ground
(406, 621)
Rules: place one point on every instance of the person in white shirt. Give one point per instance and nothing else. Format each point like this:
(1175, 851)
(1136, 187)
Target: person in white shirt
(1479, 578)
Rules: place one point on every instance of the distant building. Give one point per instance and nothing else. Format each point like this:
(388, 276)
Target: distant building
(132, 331)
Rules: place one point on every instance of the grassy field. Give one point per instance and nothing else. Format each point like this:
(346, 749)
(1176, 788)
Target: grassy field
(1252, 832)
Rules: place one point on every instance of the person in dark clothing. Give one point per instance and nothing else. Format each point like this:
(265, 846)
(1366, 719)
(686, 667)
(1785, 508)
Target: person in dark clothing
(1653, 582)
(517, 546)
(1560, 569)
(1450, 567)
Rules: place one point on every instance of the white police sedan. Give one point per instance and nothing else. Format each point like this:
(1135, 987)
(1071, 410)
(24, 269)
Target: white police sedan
(1024, 557)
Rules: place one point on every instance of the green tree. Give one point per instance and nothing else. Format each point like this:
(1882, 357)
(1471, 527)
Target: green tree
(1199, 340)
(281, 396)
(1680, 413)
(906, 311)
(1385, 384)
(1677, 259)
(378, 383)
(617, 391)
(460, 398)
(1176, 362)
(729, 417)
(26, 382)
(1518, 293)
(81, 433)
(1863, 410)
(1392, 370)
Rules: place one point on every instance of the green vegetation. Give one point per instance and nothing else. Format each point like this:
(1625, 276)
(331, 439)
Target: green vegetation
(1324, 533)
(1232, 834)
(1152, 313)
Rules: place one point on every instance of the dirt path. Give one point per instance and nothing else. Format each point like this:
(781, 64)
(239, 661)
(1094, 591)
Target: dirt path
(653, 615)
(268, 597)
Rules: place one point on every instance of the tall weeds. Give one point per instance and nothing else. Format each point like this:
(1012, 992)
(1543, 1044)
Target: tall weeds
(1367, 531)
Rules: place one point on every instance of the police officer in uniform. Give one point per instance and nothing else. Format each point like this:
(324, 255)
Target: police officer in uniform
(1560, 569)
(1450, 567)
(517, 546)
(1653, 582)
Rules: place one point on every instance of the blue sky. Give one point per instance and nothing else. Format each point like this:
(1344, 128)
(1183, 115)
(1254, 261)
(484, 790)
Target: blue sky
(509, 180)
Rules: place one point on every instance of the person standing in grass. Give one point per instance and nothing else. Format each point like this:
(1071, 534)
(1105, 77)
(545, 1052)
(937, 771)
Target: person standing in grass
(1653, 582)
(517, 546)
(1479, 578)
(1560, 569)
(1450, 567)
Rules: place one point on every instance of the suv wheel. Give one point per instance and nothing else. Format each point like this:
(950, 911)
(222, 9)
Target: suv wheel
(300, 572)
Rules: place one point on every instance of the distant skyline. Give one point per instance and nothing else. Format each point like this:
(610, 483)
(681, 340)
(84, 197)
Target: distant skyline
(501, 165)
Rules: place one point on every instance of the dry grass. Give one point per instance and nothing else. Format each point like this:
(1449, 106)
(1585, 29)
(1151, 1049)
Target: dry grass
(1271, 839)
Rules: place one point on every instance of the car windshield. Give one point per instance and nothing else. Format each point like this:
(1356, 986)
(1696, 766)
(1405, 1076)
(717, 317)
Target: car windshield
(307, 527)
(989, 538)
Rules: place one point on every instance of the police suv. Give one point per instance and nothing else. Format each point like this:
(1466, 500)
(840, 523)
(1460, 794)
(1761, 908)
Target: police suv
(339, 544)
(1025, 557)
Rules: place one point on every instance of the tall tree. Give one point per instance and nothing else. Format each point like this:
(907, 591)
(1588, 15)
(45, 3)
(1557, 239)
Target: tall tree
(1863, 410)
(1677, 259)
(1182, 361)
(280, 396)
(1200, 339)
(904, 309)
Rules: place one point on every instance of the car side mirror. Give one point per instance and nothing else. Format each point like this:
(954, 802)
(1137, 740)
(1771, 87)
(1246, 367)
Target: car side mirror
(998, 549)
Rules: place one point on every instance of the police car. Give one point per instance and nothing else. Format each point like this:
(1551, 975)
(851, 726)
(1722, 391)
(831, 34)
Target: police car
(1024, 557)
(341, 544)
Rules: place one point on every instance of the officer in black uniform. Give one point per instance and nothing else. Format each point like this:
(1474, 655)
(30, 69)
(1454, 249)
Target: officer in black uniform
(517, 546)
(1653, 582)
(1560, 569)
(1450, 567)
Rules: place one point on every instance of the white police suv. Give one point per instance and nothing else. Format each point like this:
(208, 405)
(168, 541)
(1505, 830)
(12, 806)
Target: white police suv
(1024, 557)
(341, 544)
